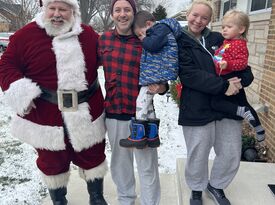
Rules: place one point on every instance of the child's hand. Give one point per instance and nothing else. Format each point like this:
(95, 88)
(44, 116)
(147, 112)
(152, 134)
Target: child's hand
(142, 37)
(223, 64)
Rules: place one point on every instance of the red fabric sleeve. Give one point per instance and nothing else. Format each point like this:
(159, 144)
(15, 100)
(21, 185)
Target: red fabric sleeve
(237, 57)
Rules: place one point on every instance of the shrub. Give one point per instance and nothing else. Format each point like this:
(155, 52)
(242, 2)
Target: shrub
(175, 89)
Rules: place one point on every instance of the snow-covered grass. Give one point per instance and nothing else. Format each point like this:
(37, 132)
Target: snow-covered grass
(20, 181)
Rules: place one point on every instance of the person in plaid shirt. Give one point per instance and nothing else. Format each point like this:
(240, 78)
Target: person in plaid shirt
(119, 53)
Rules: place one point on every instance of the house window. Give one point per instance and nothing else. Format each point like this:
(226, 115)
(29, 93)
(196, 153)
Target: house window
(257, 5)
(227, 5)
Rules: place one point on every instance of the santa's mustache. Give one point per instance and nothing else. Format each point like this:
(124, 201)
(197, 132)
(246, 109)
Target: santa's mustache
(58, 18)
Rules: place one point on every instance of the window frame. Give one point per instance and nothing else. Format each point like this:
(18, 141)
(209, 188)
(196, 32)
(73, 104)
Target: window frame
(260, 10)
(230, 7)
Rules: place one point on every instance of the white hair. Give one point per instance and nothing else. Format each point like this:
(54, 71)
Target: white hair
(52, 30)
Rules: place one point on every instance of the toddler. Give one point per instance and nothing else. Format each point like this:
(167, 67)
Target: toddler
(159, 63)
(230, 59)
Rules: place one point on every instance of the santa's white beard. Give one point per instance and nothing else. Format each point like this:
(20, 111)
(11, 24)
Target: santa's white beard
(53, 30)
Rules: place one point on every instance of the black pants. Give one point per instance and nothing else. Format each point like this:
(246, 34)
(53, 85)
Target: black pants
(229, 105)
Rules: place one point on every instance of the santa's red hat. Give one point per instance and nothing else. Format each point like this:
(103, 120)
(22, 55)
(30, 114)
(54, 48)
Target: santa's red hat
(73, 3)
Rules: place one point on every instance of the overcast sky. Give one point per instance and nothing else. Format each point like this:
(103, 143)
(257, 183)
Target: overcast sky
(174, 6)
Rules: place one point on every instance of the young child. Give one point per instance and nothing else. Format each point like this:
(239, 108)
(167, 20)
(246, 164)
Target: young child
(230, 59)
(159, 63)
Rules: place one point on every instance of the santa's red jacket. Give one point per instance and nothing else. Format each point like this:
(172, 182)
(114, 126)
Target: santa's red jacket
(69, 61)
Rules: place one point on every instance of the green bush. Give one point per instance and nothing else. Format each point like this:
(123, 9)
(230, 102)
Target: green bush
(248, 141)
(175, 89)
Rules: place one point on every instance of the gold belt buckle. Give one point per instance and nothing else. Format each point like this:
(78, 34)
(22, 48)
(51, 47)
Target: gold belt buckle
(60, 99)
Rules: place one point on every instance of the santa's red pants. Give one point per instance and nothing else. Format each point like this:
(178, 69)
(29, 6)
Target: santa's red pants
(58, 162)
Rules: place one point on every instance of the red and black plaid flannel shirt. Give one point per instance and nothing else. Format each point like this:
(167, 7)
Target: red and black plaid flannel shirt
(120, 57)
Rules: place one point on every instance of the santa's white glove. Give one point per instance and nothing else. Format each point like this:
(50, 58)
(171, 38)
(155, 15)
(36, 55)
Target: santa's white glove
(30, 107)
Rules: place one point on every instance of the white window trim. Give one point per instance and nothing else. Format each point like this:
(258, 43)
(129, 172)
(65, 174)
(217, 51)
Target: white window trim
(222, 7)
(258, 11)
(244, 5)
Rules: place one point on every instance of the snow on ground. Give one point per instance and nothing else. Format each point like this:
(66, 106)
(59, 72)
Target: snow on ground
(20, 182)
(172, 141)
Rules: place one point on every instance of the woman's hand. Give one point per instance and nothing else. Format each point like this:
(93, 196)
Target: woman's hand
(157, 88)
(237, 82)
(234, 87)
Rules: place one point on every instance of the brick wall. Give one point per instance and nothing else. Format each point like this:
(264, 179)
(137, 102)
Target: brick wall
(267, 92)
(257, 43)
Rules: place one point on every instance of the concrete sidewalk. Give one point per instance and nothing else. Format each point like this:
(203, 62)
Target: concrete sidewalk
(77, 192)
(249, 187)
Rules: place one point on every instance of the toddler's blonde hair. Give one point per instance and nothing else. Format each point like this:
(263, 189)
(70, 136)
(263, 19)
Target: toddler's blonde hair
(240, 18)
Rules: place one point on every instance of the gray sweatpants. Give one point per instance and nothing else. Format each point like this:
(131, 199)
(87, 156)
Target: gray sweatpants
(225, 137)
(122, 168)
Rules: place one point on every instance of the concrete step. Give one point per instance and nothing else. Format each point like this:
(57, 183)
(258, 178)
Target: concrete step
(249, 187)
(77, 192)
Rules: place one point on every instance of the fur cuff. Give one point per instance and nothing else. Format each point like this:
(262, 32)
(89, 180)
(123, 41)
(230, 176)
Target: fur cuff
(20, 94)
(83, 132)
(56, 181)
(39, 136)
(94, 173)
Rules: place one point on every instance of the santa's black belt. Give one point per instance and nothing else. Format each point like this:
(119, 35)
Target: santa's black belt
(68, 100)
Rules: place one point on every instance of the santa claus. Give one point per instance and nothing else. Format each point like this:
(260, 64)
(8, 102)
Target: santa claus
(49, 77)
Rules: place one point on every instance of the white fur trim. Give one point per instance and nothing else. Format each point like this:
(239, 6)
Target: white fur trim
(39, 136)
(20, 94)
(70, 63)
(96, 172)
(73, 3)
(84, 133)
(56, 181)
(71, 68)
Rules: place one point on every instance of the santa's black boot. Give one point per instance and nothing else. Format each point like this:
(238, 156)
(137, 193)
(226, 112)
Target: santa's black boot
(95, 189)
(58, 196)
